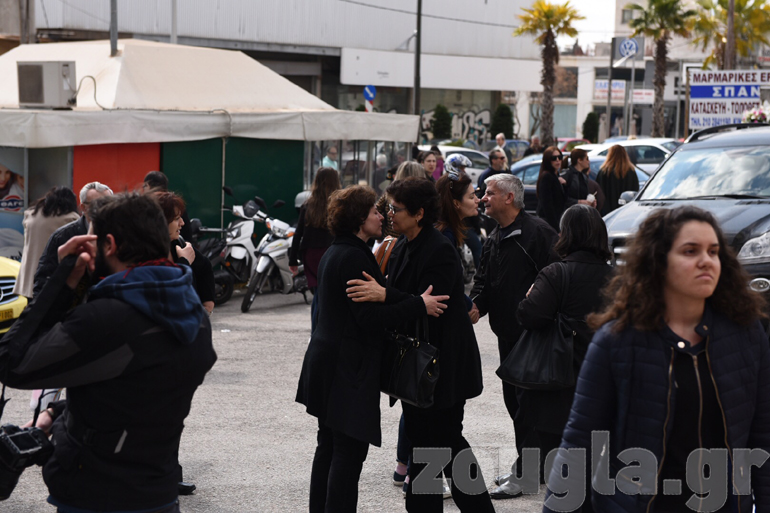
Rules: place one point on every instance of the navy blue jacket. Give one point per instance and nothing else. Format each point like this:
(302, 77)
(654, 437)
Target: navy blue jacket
(626, 387)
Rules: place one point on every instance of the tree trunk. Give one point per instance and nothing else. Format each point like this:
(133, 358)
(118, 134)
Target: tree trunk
(659, 83)
(729, 62)
(550, 54)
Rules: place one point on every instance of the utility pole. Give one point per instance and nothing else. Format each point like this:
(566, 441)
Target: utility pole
(173, 22)
(608, 125)
(113, 28)
(23, 22)
(729, 61)
(417, 54)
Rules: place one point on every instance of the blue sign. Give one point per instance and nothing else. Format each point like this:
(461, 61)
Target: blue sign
(370, 92)
(725, 91)
(629, 47)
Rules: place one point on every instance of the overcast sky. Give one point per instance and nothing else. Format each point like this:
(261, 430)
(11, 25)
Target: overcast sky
(599, 24)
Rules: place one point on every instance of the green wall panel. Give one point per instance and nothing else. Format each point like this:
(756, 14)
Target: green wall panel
(266, 168)
(269, 169)
(194, 170)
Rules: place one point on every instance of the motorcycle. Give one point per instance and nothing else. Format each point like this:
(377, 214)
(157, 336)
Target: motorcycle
(214, 249)
(272, 257)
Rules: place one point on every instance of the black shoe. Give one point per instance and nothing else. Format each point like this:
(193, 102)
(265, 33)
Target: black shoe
(508, 490)
(185, 488)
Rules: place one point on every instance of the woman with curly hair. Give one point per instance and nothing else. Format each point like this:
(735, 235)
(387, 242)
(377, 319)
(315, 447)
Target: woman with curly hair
(340, 379)
(680, 363)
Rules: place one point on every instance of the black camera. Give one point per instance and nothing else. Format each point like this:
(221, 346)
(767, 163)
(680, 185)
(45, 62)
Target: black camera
(19, 449)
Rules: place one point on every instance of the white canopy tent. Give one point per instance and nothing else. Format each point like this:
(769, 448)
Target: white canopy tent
(157, 92)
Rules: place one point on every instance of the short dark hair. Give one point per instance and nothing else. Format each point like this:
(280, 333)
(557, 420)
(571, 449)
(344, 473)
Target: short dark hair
(582, 228)
(171, 204)
(415, 194)
(156, 180)
(137, 224)
(57, 202)
(501, 154)
(349, 208)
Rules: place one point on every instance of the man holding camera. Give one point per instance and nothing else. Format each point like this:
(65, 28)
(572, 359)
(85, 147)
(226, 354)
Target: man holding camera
(131, 358)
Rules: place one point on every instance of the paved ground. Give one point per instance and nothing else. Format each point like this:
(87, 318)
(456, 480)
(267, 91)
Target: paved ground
(248, 446)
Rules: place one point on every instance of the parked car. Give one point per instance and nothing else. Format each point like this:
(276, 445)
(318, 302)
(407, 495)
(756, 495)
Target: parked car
(479, 160)
(528, 170)
(517, 147)
(460, 143)
(11, 305)
(566, 145)
(727, 174)
(646, 153)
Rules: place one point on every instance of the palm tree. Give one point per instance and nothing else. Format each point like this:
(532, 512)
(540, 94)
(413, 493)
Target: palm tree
(711, 29)
(546, 21)
(660, 21)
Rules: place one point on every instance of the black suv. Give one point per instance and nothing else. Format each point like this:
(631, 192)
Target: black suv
(727, 174)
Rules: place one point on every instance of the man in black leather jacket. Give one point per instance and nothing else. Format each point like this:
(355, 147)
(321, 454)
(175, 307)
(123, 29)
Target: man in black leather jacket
(131, 358)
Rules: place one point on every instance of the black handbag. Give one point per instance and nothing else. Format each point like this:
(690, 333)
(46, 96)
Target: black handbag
(410, 368)
(543, 359)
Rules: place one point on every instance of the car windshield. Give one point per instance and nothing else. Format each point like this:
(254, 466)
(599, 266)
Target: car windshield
(712, 172)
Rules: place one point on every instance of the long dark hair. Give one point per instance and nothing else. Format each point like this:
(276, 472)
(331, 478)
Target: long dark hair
(450, 188)
(582, 229)
(635, 294)
(546, 166)
(327, 180)
(57, 202)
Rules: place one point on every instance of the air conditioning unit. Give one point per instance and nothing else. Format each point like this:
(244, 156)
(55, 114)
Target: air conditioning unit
(46, 84)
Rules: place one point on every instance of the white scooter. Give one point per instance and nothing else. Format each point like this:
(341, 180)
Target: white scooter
(272, 257)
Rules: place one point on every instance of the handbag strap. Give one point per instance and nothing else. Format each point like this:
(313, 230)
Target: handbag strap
(564, 285)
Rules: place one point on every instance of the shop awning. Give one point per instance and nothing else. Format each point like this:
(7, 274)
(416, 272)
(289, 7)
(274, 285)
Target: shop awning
(157, 92)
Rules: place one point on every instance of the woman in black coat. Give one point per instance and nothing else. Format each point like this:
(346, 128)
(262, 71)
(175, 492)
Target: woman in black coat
(584, 248)
(551, 198)
(340, 379)
(428, 259)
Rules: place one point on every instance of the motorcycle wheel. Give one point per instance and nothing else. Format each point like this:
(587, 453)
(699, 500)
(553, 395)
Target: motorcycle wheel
(223, 287)
(255, 286)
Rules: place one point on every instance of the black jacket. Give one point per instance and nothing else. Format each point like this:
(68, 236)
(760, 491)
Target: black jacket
(586, 276)
(613, 187)
(340, 378)
(576, 187)
(551, 200)
(131, 360)
(431, 259)
(307, 237)
(626, 386)
(203, 273)
(49, 260)
(506, 273)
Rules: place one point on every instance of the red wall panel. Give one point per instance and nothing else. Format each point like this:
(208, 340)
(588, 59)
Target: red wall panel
(120, 166)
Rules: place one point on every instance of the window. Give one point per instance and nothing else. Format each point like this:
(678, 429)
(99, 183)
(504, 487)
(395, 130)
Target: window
(646, 154)
(528, 175)
(627, 16)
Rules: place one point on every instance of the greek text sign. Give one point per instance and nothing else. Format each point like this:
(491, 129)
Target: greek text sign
(721, 97)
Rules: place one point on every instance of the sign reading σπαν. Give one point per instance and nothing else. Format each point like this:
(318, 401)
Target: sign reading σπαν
(721, 97)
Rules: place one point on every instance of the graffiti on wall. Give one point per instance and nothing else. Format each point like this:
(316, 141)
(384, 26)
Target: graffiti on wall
(468, 125)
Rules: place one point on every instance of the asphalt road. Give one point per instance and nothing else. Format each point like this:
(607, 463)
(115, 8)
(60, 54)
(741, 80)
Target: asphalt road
(248, 446)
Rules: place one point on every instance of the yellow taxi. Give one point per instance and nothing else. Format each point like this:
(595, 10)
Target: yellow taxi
(11, 305)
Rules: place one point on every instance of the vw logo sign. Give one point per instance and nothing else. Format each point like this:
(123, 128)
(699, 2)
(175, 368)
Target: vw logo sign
(628, 47)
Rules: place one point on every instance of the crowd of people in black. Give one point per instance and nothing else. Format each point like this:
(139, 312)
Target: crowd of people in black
(666, 353)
